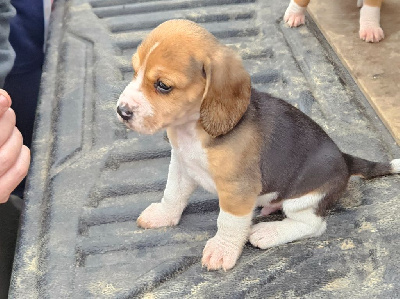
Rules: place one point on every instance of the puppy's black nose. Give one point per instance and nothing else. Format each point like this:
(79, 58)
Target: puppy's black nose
(124, 112)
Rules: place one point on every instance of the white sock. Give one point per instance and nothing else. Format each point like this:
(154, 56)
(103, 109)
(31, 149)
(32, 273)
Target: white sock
(395, 165)
(294, 8)
(370, 17)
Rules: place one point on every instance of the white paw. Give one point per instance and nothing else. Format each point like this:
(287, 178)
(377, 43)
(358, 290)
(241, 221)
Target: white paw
(372, 34)
(269, 234)
(264, 235)
(294, 19)
(220, 254)
(294, 14)
(395, 165)
(370, 29)
(155, 215)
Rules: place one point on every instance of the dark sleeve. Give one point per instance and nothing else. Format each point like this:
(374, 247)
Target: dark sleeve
(7, 54)
(27, 35)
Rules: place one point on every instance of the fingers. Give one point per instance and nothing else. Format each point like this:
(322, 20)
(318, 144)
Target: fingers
(5, 101)
(15, 174)
(14, 156)
(10, 151)
(7, 125)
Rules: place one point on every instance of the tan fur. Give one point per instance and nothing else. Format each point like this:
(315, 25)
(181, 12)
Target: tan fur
(185, 77)
(234, 165)
(302, 3)
(213, 78)
(216, 143)
(135, 63)
(375, 3)
(227, 93)
(212, 82)
(186, 81)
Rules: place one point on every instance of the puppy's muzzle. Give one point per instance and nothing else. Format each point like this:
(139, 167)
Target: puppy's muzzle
(125, 112)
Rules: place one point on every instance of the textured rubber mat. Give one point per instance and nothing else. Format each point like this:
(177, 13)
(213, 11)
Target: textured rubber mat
(90, 177)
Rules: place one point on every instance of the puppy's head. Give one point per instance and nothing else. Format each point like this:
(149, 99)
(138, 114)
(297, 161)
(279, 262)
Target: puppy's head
(182, 74)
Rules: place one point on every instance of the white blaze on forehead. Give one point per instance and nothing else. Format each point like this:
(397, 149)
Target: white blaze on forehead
(137, 82)
(140, 72)
(151, 50)
(133, 95)
(143, 66)
(134, 98)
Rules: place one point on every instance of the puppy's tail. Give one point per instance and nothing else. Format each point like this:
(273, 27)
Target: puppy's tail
(369, 169)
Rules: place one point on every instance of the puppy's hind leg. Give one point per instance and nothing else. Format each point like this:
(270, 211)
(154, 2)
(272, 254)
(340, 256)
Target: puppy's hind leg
(302, 222)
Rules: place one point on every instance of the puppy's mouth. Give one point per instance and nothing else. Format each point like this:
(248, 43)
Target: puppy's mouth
(130, 119)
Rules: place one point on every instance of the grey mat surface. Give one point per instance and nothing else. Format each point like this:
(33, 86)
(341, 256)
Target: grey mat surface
(90, 177)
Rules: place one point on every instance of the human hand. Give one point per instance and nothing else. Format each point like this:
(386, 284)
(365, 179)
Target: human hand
(14, 156)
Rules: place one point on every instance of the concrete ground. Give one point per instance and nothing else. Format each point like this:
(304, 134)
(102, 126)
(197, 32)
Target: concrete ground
(91, 178)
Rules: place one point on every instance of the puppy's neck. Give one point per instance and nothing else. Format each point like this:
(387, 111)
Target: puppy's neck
(183, 131)
(186, 121)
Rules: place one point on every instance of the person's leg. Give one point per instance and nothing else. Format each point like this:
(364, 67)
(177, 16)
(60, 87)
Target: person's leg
(9, 221)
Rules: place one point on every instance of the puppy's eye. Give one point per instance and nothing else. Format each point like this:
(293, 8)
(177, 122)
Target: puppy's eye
(162, 87)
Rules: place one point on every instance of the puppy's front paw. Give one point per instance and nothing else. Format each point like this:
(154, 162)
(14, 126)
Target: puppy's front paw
(294, 19)
(155, 215)
(220, 254)
(372, 34)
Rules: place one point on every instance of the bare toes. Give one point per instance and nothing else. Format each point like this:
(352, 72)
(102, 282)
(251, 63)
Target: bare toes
(295, 20)
(219, 254)
(372, 34)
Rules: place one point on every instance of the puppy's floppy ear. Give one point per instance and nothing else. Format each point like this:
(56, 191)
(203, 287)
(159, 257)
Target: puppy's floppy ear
(227, 92)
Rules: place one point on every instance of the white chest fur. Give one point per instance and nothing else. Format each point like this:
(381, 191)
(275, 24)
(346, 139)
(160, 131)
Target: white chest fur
(192, 156)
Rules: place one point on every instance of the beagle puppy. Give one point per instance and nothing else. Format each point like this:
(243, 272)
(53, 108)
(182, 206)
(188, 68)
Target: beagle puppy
(249, 148)
(370, 28)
